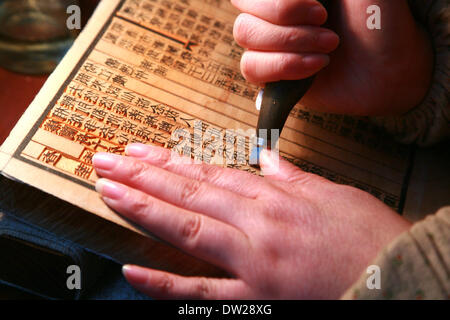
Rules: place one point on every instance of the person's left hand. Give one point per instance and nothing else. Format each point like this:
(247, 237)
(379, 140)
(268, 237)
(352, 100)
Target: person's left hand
(291, 235)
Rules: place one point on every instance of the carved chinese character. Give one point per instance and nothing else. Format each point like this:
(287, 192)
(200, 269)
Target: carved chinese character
(68, 132)
(120, 80)
(83, 171)
(147, 65)
(113, 63)
(84, 107)
(136, 115)
(91, 125)
(121, 108)
(107, 132)
(144, 133)
(90, 67)
(151, 121)
(52, 126)
(166, 126)
(87, 156)
(60, 113)
(113, 120)
(83, 78)
(129, 127)
(98, 114)
(86, 139)
(106, 102)
(76, 119)
(51, 156)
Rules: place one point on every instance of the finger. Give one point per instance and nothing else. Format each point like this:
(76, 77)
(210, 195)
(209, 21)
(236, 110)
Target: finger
(263, 67)
(193, 195)
(199, 235)
(256, 34)
(242, 183)
(285, 12)
(163, 285)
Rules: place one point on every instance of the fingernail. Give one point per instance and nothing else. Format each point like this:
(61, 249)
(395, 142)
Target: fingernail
(136, 275)
(110, 189)
(104, 161)
(269, 162)
(327, 40)
(265, 157)
(137, 150)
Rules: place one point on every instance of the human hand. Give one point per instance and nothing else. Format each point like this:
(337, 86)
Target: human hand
(372, 72)
(291, 235)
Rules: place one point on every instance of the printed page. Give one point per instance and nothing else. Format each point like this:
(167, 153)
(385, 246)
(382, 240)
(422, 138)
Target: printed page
(146, 70)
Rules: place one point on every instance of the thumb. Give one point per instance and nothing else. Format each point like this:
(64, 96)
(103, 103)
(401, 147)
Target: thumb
(276, 168)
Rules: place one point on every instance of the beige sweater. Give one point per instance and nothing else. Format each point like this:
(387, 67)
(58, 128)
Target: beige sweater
(416, 265)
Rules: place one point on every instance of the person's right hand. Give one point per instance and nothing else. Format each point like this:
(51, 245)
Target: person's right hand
(372, 72)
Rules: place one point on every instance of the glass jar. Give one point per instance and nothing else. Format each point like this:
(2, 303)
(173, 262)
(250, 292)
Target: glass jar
(34, 35)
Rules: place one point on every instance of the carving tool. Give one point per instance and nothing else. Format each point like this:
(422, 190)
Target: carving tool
(276, 101)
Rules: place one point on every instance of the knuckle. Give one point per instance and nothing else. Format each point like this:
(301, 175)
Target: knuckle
(190, 230)
(189, 191)
(137, 170)
(140, 206)
(291, 36)
(163, 284)
(285, 64)
(312, 38)
(294, 37)
(203, 288)
(163, 159)
(209, 173)
(278, 210)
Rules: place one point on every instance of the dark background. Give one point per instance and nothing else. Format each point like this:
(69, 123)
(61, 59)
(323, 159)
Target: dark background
(17, 91)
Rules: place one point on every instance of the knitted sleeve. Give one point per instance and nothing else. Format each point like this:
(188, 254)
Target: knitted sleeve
(416, 265)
